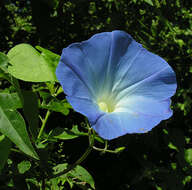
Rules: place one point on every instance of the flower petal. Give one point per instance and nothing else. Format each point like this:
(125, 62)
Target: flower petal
(86, 107)
(90, 65)
(145, 74)
(116, 124)
(145, 106)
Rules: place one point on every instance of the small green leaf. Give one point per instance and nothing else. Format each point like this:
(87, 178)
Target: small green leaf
(3, 62)
(173, 166)
(158, 188)
(58, 106)
(29, 65)
(76, 131)
(78, 172)
(120, 149)
(165, 131)
(172, 146)
(24, 166)
(188, 156)
(83, 175)
(66, 134)
(70, 181)
(59, 168)
(187, 179)
(190, 69)
(5, 145)
(150, 2)
(63, 134)
(13, 126)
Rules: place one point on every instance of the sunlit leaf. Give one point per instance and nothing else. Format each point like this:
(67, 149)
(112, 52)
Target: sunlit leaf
(120, 149)
(188, 155)
(83, 175)
(29, 65)
(172, 146)
(66, 134)
(50, 57)
(58, 106)
(24, 166)
(78, 173)
(150, 2)
(187, 179)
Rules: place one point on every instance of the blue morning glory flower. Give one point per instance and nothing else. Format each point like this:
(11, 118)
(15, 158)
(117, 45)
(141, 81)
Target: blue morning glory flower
(117, 84)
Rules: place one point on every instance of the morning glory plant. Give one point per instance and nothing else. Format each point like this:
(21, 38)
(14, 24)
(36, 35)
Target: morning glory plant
(121, 87)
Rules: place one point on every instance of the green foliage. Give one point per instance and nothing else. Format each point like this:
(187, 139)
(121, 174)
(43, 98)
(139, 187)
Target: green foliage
(150, 2)
(78, 175)
(58, 106)
(3, 62)
(24, 166)
(34, 111)
(10, 101)
(13, 126)
(65, 134)
(188, 156)
(29, 65)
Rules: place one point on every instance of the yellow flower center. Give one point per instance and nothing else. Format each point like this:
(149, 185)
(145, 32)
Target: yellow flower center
(106, 106)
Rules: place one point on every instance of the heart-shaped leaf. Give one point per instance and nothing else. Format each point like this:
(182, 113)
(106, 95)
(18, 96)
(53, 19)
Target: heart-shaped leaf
(29, 65)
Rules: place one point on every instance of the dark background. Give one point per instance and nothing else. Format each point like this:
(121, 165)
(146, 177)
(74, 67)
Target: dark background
(156, 160)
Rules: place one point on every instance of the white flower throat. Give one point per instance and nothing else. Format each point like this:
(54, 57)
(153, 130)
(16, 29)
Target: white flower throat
(106, 105)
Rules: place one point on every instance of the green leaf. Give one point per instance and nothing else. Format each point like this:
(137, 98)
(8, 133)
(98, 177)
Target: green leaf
(187, 179)
(188, 156)
(10, 101)
(3, 62)
(83, 175)
(29, 65)
(78, 172)
(158, 188)
(11, 122)
(59, 168)
(2, 74)
(13, 126)
(24, 166)
(66, 134)
(5, 145)
(58, 106)
(61, 179)
(172, 146)
(120, 149)
(16, 85)
(50, 57)
(63, 134)
(150, 2)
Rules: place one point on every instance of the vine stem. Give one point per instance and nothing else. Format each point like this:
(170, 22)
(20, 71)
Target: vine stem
(44, 121)
(71, 167)
(81, 159)
(104, 150)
